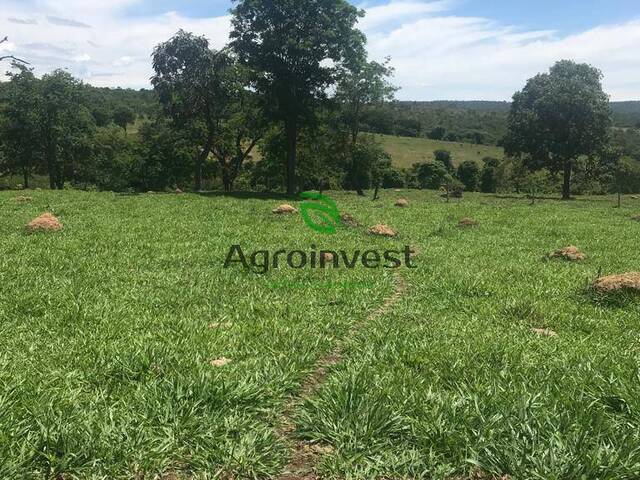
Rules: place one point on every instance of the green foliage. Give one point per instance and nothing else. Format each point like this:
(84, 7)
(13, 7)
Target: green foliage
(469, 175)
(295, 48)
(431, 175)
(489, 175)
(123, 116)
(558, 117)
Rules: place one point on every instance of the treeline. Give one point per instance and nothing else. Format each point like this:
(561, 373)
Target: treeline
(480, 122)
(290, 104)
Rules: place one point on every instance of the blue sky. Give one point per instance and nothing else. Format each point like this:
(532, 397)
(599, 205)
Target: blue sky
(441, 49)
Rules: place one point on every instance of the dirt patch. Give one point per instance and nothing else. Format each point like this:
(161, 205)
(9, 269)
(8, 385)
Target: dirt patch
(636, 217)
(220, 362)
(23, 199)
(402, 203)
(326, 259)
(468, 222)
(618, 283)
(571, 253)
(349, 220)
(382, 231)
(46, 222)
(544, 332)
(285, 209)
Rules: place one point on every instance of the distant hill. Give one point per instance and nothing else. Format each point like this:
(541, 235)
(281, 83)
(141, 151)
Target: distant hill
(478, 122)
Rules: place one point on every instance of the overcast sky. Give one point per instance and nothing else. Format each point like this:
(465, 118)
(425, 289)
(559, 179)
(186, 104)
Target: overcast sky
(450, 49)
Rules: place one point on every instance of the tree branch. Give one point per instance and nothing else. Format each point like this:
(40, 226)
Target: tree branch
(15, 59)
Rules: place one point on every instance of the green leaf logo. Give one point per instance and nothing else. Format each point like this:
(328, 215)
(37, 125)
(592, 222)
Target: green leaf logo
(324, 209)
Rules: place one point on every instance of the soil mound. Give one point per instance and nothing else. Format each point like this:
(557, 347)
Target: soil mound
(285, 209)
(382, 231)
(23, 199)
(570, 253)
(544, 332)
(636, 217)
(402, 203)
(618, 283)
(220, 362)
(46, 222)
(468, 222)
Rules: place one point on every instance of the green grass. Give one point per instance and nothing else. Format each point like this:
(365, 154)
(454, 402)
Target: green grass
(405, 151)
(105, 345)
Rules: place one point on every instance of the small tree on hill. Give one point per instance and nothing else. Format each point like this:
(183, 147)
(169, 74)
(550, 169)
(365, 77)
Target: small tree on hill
(558, 117)
(444, 157)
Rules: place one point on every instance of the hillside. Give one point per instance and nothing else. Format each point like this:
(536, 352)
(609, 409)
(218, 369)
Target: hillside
(405, 151)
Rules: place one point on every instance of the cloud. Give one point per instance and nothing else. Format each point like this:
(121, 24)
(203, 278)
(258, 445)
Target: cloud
(23, 21)
(436, 54)
(66, 22)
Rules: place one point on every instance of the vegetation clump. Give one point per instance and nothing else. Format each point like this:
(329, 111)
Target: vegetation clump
(285, 209)
(636, 217)
(624, 282)
(382, 231)
(46, 222)
(570, 253)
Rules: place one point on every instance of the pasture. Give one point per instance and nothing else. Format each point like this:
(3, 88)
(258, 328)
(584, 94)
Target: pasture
(405, 151)
(128, 351)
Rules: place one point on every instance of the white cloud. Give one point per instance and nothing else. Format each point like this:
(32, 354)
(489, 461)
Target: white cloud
(437, 55)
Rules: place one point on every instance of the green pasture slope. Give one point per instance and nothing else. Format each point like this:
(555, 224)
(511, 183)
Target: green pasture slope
(405, 151)
(108, 330)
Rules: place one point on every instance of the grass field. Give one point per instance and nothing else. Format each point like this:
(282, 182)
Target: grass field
(108, 329)
(405, 151)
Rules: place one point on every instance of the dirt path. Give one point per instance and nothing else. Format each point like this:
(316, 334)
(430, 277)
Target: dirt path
(305, 454)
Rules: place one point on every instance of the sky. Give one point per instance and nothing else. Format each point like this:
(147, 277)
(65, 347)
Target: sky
(440, 49)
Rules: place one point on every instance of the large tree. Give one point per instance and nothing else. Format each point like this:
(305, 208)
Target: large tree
(65, 125)
(189, 78)
(19, 131)
(294, 49)
(558, 117)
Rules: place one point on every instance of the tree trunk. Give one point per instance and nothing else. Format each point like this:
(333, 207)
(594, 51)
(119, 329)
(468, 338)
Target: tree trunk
(25, 174)
(566, 187)
(375, 193)
(227, 180)
(291, 127)
(200, 161)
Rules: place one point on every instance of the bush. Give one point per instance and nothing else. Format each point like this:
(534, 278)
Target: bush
(469, 175)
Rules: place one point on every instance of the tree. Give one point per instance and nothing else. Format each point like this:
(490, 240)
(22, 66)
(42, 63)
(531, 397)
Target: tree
(437, 133)
(469, 175)
(558, 117)
(20, 129)
(123, 116)
(241, 127)
(188, 80)
(65, 125)
(489, 175)
(432, 175)
(444, 157)
(361, 84)
(294, 49)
